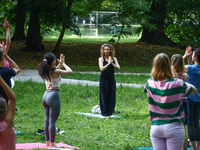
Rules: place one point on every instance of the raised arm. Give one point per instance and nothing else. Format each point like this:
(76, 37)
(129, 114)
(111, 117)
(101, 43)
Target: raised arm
(8, 41)
(12, 63)
(11, 103)
(58, 71)
(188, 53)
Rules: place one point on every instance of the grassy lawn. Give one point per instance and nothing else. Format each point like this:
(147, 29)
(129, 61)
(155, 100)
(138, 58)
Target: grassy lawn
(87, 133)
(123, 69)
(120, 78)
(68, 37)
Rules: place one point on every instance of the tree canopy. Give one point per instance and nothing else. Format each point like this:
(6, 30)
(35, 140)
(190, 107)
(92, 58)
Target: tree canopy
(163, 22)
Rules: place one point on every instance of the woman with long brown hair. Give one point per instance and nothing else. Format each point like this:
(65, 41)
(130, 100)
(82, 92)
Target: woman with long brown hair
(51, 98)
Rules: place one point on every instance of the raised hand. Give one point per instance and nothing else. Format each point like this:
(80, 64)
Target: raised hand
(61, 60)
(6, 24)
(110, 59)
(188, 51)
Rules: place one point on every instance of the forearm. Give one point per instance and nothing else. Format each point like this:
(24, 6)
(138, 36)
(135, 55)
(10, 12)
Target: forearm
(7, 90)
(8, 41)
(194, 91)
(189, 61)
(105, 67)
(12, 64)
(67, 68)
(59, 66)
(116, 66)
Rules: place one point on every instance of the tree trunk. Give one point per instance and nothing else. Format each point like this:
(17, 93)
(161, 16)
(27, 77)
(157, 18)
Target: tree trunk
(19, 22)
(34, 39)
(56, 50)
(157, 36)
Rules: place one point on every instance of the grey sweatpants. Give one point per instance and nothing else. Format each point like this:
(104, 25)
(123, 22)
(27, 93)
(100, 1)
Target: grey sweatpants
(51, 104)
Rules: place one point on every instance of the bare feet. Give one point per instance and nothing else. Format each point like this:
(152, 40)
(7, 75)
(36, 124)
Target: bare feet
(47, 143)
(52, 144)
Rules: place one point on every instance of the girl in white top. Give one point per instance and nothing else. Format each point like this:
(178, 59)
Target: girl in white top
(51, 97)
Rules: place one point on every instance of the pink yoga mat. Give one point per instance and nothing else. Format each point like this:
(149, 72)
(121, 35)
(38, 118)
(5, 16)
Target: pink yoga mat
(41, 145)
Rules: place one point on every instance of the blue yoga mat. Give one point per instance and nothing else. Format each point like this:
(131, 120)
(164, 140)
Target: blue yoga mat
(97, 115)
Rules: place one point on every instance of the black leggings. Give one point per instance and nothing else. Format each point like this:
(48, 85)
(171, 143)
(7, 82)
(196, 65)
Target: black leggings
(193, 127)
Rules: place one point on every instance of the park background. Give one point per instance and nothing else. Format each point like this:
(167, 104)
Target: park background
(41, 26)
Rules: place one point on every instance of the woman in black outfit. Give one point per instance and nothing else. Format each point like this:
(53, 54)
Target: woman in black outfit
(107, 87)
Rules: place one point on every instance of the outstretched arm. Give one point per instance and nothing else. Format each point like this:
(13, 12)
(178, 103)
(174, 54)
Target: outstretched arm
(11, 103)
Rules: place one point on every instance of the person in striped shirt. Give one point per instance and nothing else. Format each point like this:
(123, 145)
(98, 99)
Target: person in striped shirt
(166, 111)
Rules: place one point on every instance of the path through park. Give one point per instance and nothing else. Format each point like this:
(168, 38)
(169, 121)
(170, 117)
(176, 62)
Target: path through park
(30, 74)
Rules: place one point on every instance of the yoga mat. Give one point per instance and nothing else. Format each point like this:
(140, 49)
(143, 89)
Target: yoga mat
(151, 148)
(42, 145)
(97, 115)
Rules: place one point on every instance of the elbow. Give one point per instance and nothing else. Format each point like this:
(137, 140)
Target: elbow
(13, 98)
(18, 71)
(101, 69)
(194, 91)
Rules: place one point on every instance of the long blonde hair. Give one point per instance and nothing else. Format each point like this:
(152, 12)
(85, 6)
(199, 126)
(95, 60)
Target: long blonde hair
(161, 67)
(112, 50)
(178, 63)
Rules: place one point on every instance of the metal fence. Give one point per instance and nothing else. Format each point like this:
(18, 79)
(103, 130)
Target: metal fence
(94, 24)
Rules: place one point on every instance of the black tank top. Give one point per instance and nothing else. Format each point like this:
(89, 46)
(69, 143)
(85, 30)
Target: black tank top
(110, 69)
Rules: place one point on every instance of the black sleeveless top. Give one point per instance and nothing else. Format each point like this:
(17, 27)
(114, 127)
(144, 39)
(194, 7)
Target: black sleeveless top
(110, 69)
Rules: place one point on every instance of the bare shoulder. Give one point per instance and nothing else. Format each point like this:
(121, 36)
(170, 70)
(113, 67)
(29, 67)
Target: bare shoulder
(100, 58)
(56, 73)
(115, 58)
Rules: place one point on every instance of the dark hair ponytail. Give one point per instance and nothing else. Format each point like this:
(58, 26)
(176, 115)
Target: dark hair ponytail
(45, 66)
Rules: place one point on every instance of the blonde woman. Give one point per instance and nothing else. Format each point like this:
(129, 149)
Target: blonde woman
(107, 87)
(166, 110)
(178, 67)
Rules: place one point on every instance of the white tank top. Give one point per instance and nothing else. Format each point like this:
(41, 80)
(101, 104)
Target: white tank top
(55, 82)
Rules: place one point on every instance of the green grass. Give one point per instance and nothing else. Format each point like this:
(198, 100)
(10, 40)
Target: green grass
(87, 133)
(124, 69)
(68, 37)
(136, 79)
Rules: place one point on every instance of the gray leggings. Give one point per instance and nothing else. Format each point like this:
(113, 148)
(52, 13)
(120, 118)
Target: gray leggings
(168, 136)
(51, 104)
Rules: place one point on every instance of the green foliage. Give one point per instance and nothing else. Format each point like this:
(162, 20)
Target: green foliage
(128, 13)
(182, 23)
